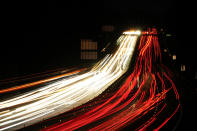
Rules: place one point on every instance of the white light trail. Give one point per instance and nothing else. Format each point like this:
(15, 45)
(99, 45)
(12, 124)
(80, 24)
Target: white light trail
(132, 32)
(65, 94)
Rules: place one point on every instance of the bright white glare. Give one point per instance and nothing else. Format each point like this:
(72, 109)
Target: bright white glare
(138, 32)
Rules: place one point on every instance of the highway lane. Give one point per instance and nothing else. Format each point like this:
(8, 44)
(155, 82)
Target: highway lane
(65, 94)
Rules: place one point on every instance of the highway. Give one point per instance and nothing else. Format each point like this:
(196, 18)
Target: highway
(64, 94)
(146, 100)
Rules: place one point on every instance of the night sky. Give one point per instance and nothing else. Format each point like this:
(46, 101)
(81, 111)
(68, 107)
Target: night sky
(43, 35)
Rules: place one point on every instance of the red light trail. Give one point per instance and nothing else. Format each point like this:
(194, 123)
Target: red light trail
(144, 95)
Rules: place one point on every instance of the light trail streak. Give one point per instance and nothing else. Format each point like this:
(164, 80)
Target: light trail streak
(30, 76)
(38, 82)
(66, 93)
(143, 95)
